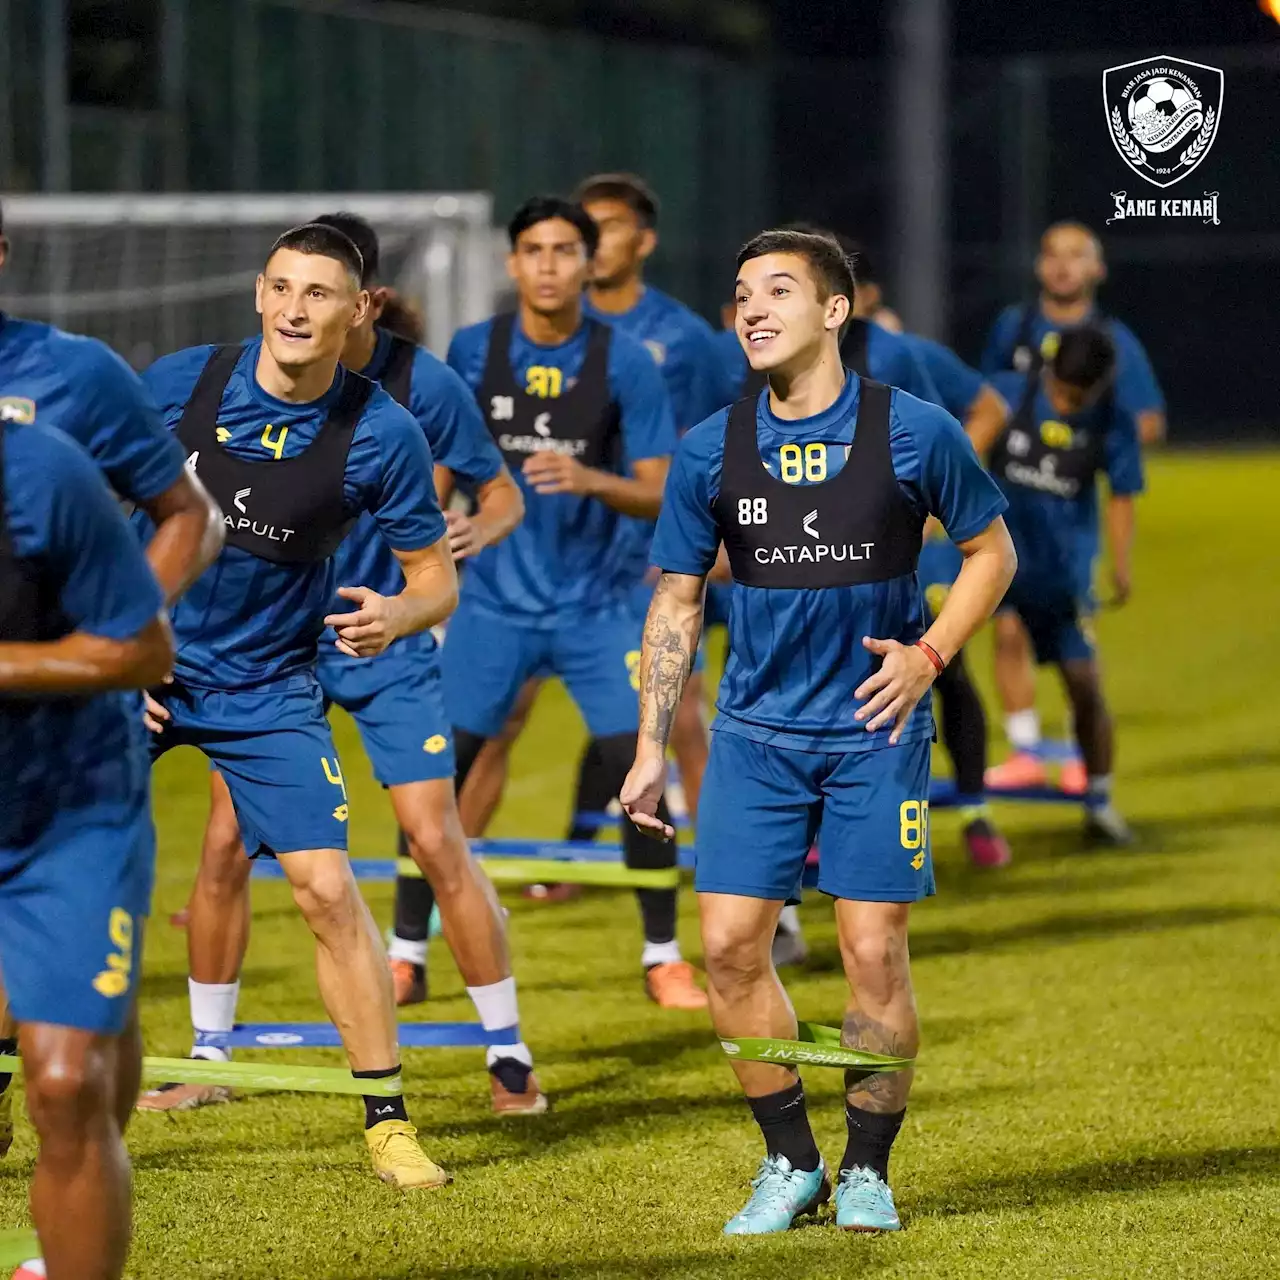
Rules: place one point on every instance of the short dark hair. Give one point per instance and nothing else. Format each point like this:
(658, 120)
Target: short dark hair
(832, 272)
(325, 242)
(361, 234)
(1086, 357)
(544, 209)
(859, 259)
(628, 188)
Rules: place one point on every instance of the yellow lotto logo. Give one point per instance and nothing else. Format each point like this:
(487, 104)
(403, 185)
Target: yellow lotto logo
(341, 813)
(223, 434)
(1049, 344)
(17, 409)
(633, 667)
(656, 350)
(544, 381)
(1057, 435)
(435, 744)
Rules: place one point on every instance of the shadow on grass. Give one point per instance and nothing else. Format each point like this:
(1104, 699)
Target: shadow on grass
(1056, 1184)
(1193, 765)
(173, 986)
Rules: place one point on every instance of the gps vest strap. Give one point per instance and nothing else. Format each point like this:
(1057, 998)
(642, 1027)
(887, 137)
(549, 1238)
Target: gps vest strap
(288, 510)
(581, 421)
(855, 528)
(397, 374)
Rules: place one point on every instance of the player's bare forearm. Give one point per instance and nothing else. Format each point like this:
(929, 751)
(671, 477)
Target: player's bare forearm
(430, 592)
(639, 495)
(1152, 427)
(671, 634)
(501, 508)
(444, 485)
(1120, 528)
(986, 419)
(83, 664)
(189, 534)
(989, 565)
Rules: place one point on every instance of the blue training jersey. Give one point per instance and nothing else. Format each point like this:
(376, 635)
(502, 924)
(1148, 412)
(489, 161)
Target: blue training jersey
(956, 383)
(890, 359)
(796, 656)
(683, 347)
(68, 753)
(83, 388)
(1136, 387)
(570, 555)
(458, 439)
(246, 621)
(1056, 538)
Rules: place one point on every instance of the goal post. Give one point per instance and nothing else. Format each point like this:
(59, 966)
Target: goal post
(150, 274)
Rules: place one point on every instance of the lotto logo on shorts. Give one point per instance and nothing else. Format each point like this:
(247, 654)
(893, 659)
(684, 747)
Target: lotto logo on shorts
(113, 981)
(435, 744)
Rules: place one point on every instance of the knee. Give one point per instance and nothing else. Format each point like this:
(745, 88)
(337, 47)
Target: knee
(326, 900)
(735, 958)
(439, 848)
(66, 1092)
(224, 866)
(876, 962)
(1009, 639)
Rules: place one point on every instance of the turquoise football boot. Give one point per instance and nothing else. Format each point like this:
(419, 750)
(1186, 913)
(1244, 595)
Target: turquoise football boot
(864, 1202)
(779, 1195)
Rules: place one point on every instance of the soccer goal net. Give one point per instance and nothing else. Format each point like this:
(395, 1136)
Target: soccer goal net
(151, 274)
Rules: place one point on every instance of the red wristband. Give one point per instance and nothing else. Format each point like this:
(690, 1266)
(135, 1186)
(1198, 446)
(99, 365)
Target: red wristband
(933, 655)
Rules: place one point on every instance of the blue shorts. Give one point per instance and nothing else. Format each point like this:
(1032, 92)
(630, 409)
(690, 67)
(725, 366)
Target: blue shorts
(487, 659)
(397, 702)
(1061, 630)
(763, 807)
(274, 748)
(72, 908)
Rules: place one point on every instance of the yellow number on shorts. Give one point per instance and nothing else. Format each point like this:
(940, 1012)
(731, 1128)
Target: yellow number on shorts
(276, 445)
(813, 467)
(334, 774)
(633, 667)
(114, 979)
(913, 816)
(544, 381)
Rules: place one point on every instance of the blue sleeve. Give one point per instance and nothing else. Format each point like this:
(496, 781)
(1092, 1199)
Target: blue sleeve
(687, 537)
(467, 353)
(995, 355)
(938, 469)
(635, 382)
(1137, 388)
(127, 438)
(1124, 454)
(733, 365)
(400, 491)
(105, 586)
(1010, 387)
(910, 374)
(958, 384)
(456, 433)
(171, 380)
(710, 389)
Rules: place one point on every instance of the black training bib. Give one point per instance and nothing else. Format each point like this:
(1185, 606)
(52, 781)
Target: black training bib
(581, 421)
(1049, 456)
(852, 529)
(397, 374)
(29, 609)
(290, 510)
(853, 351)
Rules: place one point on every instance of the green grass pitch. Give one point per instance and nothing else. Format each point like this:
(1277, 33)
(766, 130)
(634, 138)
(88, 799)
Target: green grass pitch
(1096, 1092)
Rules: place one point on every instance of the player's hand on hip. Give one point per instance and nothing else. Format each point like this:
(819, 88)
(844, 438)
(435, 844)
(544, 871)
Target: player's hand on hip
(550, 472)
(890, 695)
(369, 628)
(464, 535)
(155, 715)
(640, 795)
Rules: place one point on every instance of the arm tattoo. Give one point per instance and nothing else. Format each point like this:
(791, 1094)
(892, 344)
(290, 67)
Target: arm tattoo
(670, 638)
(884, 1092)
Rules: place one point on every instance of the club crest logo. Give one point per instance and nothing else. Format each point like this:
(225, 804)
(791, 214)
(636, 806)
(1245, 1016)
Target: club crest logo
(1163, 115)
(17, 409)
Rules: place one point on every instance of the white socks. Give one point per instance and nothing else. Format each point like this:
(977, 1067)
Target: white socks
(789, 920)
(1022, 728)
(498, 1009)
(413, 952)
(660, 953)
(213, 1010)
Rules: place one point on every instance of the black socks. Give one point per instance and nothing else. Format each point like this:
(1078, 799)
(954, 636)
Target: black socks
(784, 1122)
(871, 1136)
(378, 1108)
(9, 1048)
